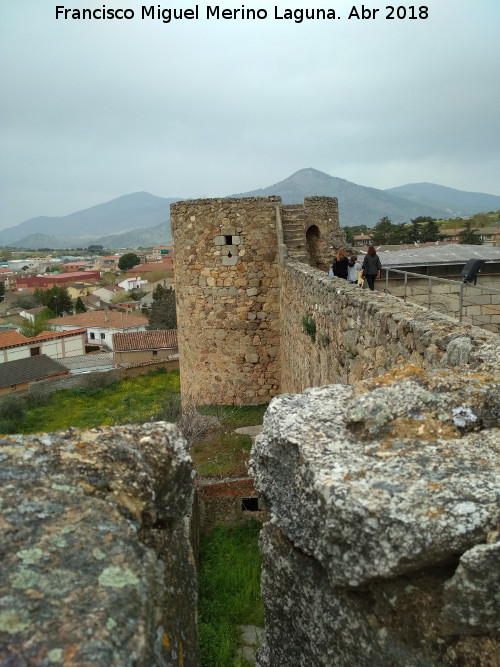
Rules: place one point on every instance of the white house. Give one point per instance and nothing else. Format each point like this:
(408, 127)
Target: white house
(56, 345)
(132, 283)
(100, 325)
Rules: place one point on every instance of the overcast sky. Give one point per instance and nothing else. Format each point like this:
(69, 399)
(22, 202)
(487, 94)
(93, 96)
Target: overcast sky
(94, 109)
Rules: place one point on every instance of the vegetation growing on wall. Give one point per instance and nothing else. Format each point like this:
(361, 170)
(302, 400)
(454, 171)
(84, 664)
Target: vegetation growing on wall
(309, 327)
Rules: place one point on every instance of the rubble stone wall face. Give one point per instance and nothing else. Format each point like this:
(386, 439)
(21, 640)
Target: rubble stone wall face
(383, 546)
(321, 213)
(96, 565)
(227, 292)
(359, 333)
(226, 502)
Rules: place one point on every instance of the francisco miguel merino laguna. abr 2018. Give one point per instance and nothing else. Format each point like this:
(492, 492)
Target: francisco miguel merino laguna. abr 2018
(169, 14)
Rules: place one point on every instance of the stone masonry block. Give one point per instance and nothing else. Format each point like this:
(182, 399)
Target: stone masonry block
(96, 567)
(229, 261)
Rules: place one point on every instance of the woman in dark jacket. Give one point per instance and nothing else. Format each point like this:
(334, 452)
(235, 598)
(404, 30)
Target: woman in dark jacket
(340, 264)
(371, 266)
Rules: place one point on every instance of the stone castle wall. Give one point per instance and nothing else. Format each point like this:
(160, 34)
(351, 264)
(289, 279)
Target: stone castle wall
(383, 546)
(96, 566)
(359, 333)
(480, 306)
(227, 256)
(226, 276)
(318, 220)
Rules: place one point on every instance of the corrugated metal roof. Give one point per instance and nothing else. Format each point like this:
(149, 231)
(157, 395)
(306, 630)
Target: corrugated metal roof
(440, 254)
(88, 361)
(29, 369)
(102, 318)
(145, 340)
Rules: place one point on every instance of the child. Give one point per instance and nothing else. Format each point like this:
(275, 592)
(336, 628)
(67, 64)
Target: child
(353, 269)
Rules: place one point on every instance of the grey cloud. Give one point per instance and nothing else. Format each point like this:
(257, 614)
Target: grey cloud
(94, 111)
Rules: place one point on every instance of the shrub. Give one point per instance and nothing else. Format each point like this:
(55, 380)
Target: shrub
(12, 412)
(309, 327)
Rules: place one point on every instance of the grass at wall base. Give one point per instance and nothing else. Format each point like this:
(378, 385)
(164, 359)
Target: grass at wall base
(229, 592)
(130, 401)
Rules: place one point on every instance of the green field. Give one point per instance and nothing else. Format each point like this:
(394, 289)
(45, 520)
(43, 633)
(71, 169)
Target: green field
(130, 401)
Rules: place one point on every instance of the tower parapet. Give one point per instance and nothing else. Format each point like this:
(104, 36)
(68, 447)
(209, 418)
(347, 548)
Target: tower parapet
(227, 290)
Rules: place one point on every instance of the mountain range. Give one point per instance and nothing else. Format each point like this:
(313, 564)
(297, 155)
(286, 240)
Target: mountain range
(141, 219)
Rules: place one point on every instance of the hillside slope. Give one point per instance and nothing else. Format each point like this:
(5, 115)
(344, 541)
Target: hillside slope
(357, 204)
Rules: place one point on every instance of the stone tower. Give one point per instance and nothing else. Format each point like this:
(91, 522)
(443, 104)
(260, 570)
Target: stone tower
(227, 261)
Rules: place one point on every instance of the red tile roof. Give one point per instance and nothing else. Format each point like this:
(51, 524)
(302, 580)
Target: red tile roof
(14, 338)
(105, 319)
(155, 266)
(46, 335)
(145, 340)
(11, 338)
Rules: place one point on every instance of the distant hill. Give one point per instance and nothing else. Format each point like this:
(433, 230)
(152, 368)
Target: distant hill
(144, 238)
(141, 219)
(357, 203)
(134, 211)
(456, 202)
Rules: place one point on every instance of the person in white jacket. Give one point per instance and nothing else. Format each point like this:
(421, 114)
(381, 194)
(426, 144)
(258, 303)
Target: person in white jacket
(353, 269)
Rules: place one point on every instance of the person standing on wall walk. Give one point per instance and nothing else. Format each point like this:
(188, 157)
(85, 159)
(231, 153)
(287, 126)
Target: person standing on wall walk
(353, 269)
(371, 267)
(340, 264)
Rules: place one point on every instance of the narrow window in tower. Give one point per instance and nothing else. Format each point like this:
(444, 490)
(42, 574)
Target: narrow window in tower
(229, 240)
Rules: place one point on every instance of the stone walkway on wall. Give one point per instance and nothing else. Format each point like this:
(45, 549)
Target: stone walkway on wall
(251, 637)
(251, 431)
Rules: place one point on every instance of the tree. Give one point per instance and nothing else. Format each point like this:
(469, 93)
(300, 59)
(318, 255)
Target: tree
(2, 289)
(108, 278)
(431, 231)
(398, 234)
(137, 294)
(56, 298)
(80, 306)
(26, 301)
(162, 314)
(468, 235)
(349, 235)
(382, 231)
(120, 297)
(414, 231)
(31, 329)
(128, 261)
(95, 248)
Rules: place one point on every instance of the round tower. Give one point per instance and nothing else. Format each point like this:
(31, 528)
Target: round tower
(227, 295)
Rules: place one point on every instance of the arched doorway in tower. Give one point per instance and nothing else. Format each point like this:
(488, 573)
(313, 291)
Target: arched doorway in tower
(313, 237)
